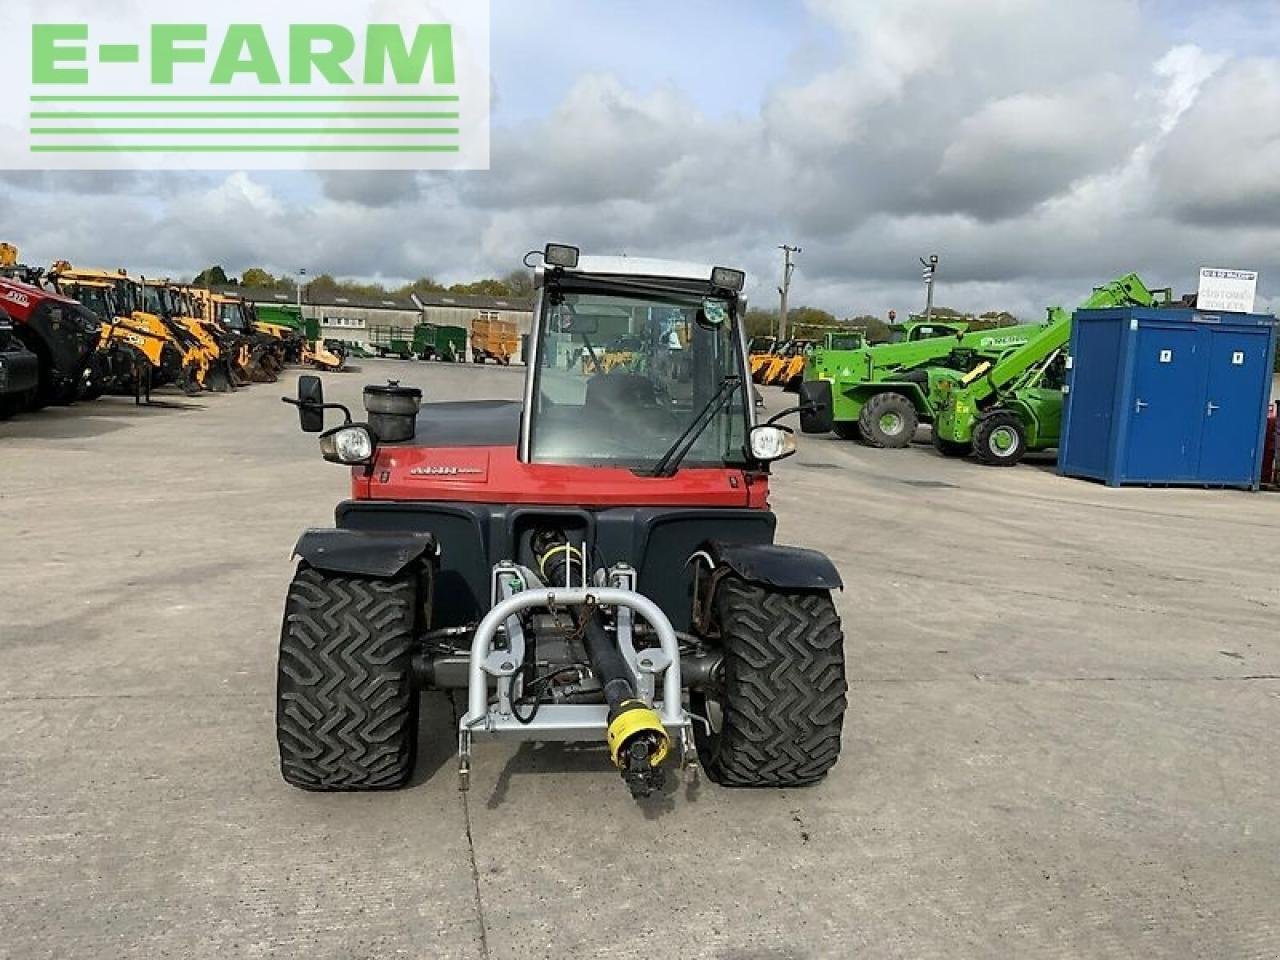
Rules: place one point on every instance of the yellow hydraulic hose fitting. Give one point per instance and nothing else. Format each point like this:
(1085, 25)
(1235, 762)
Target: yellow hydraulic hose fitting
(635, 719)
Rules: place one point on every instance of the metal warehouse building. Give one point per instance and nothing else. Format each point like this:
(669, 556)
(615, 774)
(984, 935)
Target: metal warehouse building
(351, 318)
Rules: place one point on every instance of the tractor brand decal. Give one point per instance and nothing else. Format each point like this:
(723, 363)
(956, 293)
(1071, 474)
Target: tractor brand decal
(1003, 341)
(434, 471)
(355, 85)
(15, 297)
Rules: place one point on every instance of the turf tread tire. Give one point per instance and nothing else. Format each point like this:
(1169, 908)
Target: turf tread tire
(784, 690)
(347, 703)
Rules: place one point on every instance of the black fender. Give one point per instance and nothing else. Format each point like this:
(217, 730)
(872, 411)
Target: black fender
(363, 553)
(772, 565)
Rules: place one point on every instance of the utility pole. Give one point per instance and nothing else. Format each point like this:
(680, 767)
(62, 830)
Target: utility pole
(302, 278)
(788, 269)
(929, 272)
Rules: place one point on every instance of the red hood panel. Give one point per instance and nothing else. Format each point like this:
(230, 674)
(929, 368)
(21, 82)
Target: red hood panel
(436, 466)
(495, 475)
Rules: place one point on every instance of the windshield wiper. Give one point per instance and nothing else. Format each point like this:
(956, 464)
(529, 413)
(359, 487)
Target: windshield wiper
(671, 460)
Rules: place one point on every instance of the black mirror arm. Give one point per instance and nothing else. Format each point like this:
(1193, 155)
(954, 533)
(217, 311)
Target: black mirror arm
(803, 408)
(319, 406)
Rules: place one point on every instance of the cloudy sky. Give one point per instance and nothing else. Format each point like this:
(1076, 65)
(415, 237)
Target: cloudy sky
(1038, 146)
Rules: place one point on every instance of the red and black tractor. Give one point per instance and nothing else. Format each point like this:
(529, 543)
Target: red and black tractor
(593, 563)
(61, 333)
(19, 371)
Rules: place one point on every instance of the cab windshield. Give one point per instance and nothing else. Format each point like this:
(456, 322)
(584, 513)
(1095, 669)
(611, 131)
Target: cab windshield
(175, 303)
(151, 302)
(623, 374)
(231, 316)
(99, 300)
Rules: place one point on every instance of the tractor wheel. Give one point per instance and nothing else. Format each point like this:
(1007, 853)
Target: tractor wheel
(888, 420)
(1000, 440)
(848, 430)
(950, 448)
(776, 715)
(346, 701)
(12, 404)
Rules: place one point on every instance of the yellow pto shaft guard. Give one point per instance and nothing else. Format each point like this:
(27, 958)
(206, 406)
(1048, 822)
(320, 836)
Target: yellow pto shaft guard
(635, 719)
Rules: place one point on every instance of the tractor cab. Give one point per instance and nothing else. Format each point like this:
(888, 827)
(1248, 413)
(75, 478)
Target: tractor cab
(664, 383)
(916, 330)
(595, 563)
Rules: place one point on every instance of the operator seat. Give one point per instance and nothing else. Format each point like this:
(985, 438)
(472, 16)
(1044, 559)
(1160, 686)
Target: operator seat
(620, 394)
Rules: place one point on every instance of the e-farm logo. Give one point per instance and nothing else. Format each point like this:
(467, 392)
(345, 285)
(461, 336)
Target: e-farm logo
(358, 84)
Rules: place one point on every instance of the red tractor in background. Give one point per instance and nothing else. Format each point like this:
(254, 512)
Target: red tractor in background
(595, 563)
(61, 333)
(19, 371)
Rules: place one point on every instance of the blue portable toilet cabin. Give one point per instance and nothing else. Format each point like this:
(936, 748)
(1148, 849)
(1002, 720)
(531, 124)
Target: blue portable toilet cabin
(1167, 396)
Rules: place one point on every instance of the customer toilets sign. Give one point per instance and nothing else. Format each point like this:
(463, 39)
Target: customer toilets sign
(241, 84)
(1231, 291)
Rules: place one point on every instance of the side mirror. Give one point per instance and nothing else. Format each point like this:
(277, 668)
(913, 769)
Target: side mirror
(311, 404)
(816, 410)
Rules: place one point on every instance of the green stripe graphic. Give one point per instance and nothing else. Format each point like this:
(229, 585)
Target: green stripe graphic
(239, 131)
(242, 99)
(243, 148)
(118, 53)
(39, 115)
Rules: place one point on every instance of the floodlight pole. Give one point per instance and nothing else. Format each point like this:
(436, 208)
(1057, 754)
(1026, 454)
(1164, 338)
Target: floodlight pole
(929, 272)
(788, 268)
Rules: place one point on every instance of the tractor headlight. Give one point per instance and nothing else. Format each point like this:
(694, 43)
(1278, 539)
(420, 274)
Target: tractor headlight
(770, 443)
(352, 445)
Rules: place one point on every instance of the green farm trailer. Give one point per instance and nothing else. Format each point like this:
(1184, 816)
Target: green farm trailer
(391, 342)
(1003, 409)
(280, 315)
(434, 342)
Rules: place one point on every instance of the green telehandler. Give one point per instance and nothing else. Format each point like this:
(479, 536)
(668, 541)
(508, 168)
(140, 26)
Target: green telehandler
(879, 395)
(1001, 410)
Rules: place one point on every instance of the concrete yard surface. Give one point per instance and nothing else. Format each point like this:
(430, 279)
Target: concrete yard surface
(1061, 739)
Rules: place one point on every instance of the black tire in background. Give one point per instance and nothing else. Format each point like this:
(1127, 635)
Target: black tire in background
(888, 421)
(12, 404)
(1000, 440)
(951, 448)
(346, 699)
(780, 700)
(848, 430)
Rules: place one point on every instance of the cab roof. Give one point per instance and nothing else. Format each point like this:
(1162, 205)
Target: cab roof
(65, 269)
(642, 267)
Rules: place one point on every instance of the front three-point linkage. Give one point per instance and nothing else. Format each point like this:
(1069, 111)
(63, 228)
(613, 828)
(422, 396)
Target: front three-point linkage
(638, 741)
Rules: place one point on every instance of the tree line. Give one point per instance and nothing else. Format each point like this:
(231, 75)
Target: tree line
(517, 284)
(806, 321)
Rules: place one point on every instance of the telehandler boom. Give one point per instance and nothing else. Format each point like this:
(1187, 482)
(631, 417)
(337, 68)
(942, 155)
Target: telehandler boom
(1001, 410)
